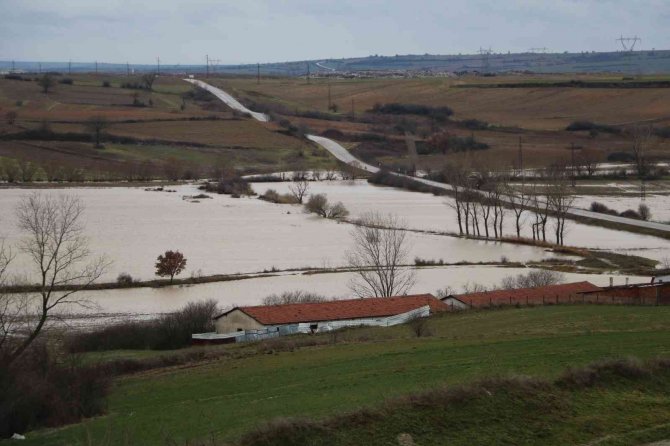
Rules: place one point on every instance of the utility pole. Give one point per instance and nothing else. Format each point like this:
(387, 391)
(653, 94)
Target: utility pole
(96, 67)
(258, 73)
(13, 67)
(158, 65)
(520, 161)
(127, 69)
(308, 72)
(69, 67)
(206, 65)
(329, 98)
(572, 153)
(40, 67)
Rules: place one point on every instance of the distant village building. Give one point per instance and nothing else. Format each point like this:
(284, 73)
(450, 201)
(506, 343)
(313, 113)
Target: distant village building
(266, 321)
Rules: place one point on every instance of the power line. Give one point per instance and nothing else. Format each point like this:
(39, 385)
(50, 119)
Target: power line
(628, 43)
(486, 64)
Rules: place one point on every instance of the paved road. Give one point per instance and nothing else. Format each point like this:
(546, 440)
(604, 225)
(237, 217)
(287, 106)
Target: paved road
(343, 155)
(320, 65)
(229, 100)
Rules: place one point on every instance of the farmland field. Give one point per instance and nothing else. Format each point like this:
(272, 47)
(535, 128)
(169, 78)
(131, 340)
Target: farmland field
(159, 127)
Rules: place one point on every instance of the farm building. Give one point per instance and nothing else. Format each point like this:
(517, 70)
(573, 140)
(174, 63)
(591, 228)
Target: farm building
(264, 321)
(655, 293)
(551, 294)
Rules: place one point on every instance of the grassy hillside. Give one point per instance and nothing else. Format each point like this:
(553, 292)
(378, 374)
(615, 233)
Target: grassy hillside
(607, 403)
(362, 367)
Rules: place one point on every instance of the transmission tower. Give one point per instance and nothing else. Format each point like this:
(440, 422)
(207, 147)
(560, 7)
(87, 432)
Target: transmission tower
(486, 63)
(628, 43)
(542, 55)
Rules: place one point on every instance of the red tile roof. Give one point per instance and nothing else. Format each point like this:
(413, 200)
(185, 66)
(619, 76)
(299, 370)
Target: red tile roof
(539, 295)
(340, 309)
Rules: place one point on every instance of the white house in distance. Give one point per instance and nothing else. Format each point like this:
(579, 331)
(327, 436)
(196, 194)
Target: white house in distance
(265, 321)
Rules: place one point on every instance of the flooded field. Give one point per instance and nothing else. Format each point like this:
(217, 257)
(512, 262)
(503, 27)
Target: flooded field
(224, 235)
(659, 204)
(428, 212)
(147, 302)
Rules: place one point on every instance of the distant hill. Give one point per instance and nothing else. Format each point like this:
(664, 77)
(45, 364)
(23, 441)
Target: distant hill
(637, 62)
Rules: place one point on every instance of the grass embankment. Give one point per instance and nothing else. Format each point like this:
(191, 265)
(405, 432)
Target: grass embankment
(611, 403)
(223, 399)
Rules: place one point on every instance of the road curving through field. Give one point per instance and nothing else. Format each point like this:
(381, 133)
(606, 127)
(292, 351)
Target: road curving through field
(342, 154)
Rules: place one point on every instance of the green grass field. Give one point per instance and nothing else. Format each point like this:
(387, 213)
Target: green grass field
(226, 398)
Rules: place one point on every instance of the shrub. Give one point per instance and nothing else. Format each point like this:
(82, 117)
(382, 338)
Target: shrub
(338, 211)
(66, 81)
(474, 124)
(577, 126)
(230, 183)
(318, 204)
(444, 142)
(124, 279)
(394, 108)
(386, 178)
(644, 211)
(630, 213)
(273, 196)
(419, 327)
(170, 331)
(106, 84)
(42, 391)
(602, 209)
(620, 157)
(418, 261)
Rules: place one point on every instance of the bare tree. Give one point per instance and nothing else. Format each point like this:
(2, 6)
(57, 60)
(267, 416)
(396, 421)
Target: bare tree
(148, 80)
(456, 176)
(318, 204)
(589, 159)
(96, 125)
(533, 279)
(293, 297)
(331, 174)
(55, 243)
(642, 136)
(299, 188)
(11, 117)
(644, 211)
(47, 82)
(518, 201)
(10, 304)
(560, 199)
(380, 250)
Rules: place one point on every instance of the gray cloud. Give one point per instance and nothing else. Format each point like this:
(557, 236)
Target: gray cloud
(238, 31)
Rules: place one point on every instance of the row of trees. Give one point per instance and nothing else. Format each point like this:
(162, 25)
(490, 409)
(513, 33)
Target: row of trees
(48, 81)
(483, 198)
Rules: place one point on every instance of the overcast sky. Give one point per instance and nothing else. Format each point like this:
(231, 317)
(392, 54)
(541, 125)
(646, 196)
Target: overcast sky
(247, 31)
